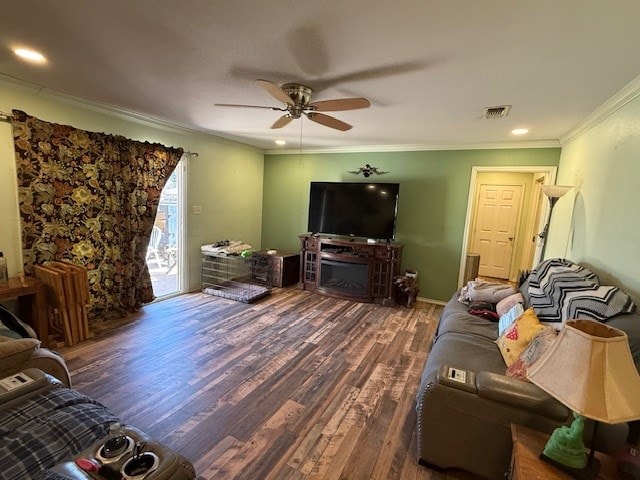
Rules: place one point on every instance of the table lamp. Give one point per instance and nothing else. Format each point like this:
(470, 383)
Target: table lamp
(589, 369)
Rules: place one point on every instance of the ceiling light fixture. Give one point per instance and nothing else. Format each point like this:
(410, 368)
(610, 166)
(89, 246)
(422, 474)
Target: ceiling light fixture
(520, 131)
(30, 55)
(280, 142)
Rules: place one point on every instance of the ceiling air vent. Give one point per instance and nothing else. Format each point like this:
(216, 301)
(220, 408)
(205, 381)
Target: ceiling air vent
(496, 112)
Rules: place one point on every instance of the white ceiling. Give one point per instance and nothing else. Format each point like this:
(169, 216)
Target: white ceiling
(428, 67)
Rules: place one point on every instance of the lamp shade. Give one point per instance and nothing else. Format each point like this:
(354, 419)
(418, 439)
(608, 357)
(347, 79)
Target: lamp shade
(555, 191)
(589, 369)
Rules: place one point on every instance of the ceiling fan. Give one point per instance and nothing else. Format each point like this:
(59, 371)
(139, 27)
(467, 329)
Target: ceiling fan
(297, 101)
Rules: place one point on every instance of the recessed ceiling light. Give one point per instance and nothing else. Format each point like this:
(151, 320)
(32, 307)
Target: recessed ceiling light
(280, 142)
(520, 131)
(30, 55)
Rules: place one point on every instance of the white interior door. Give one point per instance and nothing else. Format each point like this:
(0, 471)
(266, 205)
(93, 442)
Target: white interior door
(494, 231)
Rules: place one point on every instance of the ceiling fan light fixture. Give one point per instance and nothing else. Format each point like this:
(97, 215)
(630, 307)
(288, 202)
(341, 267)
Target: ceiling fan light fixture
(299, 94)
(296, 99)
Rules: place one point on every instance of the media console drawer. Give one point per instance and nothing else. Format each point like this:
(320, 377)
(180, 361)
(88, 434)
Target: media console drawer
(311, 243)
(342, 257)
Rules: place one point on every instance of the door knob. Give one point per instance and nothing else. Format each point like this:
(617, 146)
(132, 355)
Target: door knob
(511, 239)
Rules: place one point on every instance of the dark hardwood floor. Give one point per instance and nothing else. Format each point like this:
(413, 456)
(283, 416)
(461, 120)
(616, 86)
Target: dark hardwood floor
(295, 386)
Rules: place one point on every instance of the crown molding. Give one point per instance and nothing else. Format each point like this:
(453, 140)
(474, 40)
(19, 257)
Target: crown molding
(615, 103)
(118, 112)
(419, 148)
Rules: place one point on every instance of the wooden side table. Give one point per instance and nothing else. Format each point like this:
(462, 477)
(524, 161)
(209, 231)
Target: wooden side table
(30, 294)
(527, 465)
(285, 267)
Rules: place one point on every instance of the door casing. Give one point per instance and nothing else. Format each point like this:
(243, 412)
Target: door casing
(549, 173)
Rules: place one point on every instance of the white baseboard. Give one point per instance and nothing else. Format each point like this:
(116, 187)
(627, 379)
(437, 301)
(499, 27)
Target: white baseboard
(430, 300)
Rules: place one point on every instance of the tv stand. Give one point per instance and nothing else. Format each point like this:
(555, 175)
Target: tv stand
(349, 268)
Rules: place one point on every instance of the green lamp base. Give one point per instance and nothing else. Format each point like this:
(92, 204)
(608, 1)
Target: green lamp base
(590, 472)
(565, 450)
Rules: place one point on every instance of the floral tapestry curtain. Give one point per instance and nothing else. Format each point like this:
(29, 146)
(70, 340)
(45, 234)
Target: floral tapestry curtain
(91, 199)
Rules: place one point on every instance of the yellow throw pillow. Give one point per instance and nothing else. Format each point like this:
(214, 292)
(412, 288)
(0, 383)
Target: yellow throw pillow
(518, 336)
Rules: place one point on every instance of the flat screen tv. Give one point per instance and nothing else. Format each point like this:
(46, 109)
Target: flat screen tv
(355, 209)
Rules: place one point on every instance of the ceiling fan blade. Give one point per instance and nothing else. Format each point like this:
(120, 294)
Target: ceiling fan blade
(371, 74)
(328, 121)
(282, 121)
(246, 106)
(275, 91)
(340, 104)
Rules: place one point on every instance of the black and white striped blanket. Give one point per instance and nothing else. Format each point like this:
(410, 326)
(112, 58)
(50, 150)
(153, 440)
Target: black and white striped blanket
(48, 429)
(561, 290)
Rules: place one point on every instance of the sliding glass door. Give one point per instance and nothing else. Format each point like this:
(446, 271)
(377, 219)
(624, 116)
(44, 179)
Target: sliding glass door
(165, 247)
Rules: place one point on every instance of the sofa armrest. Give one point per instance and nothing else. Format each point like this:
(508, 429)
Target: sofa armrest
(49, 362)
(519, 394)
(13, 394)
(452, 417)
(504, 390)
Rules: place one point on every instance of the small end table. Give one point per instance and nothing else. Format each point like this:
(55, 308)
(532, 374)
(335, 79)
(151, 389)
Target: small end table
(284, 267)
(527, 465)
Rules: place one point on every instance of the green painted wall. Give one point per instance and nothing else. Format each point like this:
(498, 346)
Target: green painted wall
(225, 179)
(434, 187)
(597, 222)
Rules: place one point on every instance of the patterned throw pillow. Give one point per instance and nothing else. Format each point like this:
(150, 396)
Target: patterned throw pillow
(538, 346)
(518, 336)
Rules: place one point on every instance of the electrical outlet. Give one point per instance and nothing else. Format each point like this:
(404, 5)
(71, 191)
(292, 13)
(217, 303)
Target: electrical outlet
(196, 209)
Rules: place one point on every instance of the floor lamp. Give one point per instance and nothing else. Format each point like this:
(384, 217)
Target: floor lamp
(553, 193)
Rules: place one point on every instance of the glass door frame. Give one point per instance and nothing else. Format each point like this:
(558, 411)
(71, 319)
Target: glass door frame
(182, 226)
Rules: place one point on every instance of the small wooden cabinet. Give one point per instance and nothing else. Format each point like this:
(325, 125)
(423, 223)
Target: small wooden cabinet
(284, 267)
(349, 268)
